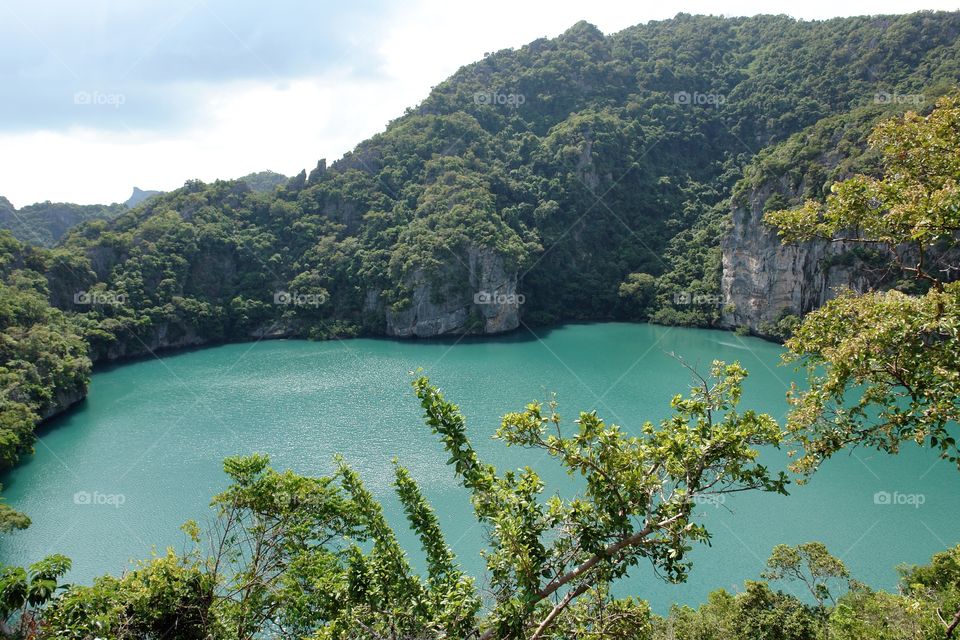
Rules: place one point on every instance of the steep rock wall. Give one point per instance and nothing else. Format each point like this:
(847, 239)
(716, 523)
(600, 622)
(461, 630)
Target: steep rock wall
(764, 279)
(490, 304)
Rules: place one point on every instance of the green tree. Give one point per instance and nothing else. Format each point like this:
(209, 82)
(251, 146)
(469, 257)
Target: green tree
(638, 504)
(937, 583)
(884, 367)
(24, 592)
(812, 565)
(638, 293)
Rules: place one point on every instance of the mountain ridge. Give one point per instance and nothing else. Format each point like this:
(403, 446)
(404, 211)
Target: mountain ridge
(574, 164)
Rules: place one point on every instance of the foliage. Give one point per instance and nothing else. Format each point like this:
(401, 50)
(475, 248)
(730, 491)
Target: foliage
(162, 597)
(43, 358)
(782, 329)
(24, 592)
(809, 563)
(639, 499)
(265, 180)
(883, 366)
(638, 293)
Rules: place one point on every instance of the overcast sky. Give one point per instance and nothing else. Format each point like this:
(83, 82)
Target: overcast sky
(98, 96)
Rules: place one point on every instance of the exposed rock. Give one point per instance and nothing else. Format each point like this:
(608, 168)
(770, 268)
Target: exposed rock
(139, 195)
(166, 336)
(272, 331)
(490, 305)
(764, 279)
(63, 399)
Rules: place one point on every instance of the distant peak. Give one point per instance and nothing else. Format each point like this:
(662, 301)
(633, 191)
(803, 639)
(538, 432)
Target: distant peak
(139, 195)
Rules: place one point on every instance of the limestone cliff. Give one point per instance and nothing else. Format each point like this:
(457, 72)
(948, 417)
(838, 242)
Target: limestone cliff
(63, 398)
(490, 304)
(764, 279)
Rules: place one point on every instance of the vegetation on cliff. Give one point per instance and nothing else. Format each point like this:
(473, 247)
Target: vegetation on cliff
(883, 366)
(43, 356)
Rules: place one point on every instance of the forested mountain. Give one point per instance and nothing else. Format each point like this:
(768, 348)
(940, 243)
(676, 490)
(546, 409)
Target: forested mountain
(581, 177)
(526, 188)
(44, 223)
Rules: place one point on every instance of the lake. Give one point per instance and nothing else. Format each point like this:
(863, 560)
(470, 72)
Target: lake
(118, 475)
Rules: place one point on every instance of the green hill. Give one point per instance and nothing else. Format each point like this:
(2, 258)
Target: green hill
(524, 189)
(44, 223)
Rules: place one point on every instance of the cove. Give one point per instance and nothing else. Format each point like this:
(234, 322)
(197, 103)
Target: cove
(117, 476)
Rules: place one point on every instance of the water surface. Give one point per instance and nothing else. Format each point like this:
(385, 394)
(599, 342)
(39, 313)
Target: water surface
(143, 454)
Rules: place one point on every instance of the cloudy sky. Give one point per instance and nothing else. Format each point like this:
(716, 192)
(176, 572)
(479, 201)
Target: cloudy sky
(100, 95)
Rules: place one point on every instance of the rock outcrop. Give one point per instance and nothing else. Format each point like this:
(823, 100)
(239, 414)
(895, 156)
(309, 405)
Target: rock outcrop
(763, 279)
(139, 195)
(489, 305)
(63, 399)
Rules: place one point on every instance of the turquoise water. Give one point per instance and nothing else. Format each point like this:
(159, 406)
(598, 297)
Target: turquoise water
(146, 447)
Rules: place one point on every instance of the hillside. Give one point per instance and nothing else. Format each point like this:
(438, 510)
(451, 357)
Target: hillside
(524, 189)
(44, 223)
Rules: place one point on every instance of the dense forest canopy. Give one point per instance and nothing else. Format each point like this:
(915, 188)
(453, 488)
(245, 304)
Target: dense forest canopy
(631, 143)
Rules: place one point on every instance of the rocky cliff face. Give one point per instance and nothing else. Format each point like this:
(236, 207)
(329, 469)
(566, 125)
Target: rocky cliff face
(163, 337)
(489, 305)
(63, 399)
(764, 279)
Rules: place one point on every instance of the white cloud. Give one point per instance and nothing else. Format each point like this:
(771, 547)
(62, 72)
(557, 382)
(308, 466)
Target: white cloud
(240, 128)
(244, 127)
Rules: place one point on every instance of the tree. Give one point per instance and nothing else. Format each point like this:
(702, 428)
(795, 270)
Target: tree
(939, 584)
(166, 596)
(809, 563)
(756, 613)
(638, 293)
(812, 565)
(772, 615)
(884, 367)
(638, 504)
(24, 592)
